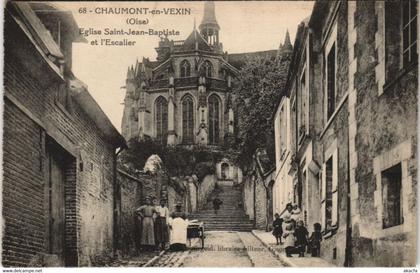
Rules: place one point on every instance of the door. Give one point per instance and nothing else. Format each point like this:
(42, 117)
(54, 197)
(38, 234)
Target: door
(56, 211)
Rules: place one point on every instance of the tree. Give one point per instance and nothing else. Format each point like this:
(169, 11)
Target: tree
(257, 92)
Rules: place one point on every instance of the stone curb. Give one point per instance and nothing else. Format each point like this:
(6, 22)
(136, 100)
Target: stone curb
(247, 253)
(153, 260)
(281, 257)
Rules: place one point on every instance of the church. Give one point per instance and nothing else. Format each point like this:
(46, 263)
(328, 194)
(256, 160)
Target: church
(184, 97)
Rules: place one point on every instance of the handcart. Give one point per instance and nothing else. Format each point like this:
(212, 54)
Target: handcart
(196, 230)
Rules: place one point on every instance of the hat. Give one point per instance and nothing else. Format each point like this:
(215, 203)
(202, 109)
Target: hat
(178, 204)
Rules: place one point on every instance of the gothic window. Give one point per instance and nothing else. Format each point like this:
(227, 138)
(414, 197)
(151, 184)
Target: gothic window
(161, 110)
(391, 196)
(208, 69)
(187, 120)
(409, 29)
(185, 69)
(214, 106)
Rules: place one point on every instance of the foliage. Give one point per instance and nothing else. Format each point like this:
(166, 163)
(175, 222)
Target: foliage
(178, 160)
(258, 91)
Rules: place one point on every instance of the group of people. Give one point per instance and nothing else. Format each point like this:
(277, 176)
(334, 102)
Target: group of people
(296, 237)
(158, 227)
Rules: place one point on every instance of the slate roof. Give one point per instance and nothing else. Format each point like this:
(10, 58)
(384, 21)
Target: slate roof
(238, 59)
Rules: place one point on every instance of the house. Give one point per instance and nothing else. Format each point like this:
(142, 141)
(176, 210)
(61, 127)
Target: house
(383, 99)
(346, 131)
(59, 170)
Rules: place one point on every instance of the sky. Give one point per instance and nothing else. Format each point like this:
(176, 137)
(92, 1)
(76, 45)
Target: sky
(245, 27)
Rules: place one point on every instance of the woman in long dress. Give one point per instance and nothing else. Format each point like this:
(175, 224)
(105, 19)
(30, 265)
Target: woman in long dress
(161, 226)
(146, 212)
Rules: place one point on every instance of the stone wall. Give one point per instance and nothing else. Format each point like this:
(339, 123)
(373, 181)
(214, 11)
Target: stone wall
(260, 204)
(204, 190)
(33, 117)
(248, 195)
(385, 135)
(131, 199)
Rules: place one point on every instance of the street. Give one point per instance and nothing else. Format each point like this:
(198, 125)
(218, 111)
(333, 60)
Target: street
(222, 249)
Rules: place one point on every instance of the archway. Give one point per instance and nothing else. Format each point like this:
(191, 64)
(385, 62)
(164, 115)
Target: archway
(224, 171)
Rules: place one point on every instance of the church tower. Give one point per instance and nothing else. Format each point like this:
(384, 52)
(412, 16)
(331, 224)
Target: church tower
(209, 28)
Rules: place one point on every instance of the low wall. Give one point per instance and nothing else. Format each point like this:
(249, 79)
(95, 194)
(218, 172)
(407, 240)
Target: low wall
(131, 198)
(205, 188)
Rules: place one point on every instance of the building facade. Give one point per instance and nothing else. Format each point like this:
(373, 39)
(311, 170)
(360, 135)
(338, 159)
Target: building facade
(184, 96)
(59, 147)
(346, 131)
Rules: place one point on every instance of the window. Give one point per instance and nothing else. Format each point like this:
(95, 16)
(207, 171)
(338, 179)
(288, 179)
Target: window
(161, 111)
(409, 31)
(213, 119)
(208, 69)
(187, 120)
(283, 130)
(302, 105)
(185, 69)
(391, 197)
(330, 72)
(329, 192)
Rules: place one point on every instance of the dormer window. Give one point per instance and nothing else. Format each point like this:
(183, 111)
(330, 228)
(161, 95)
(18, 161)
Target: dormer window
(185, 69)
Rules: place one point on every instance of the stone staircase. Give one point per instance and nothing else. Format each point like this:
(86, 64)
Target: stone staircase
(230, 216)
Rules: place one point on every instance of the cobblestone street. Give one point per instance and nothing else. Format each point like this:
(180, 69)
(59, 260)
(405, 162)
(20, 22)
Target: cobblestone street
(222, 249)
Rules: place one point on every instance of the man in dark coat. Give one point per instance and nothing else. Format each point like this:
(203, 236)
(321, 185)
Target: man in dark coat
(216, 204)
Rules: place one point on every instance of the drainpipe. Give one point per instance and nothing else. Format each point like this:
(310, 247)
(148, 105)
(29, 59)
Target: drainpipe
(297, 134)
(116, 205)
(255, 197)
(348, 250)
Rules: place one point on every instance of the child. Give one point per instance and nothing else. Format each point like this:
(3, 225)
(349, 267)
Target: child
(289, 240)
(277, 228)
(301, 234)
(296, 213)
(315, 240)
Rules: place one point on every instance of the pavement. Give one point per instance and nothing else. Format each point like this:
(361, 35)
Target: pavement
(222, 249)
(268, 240)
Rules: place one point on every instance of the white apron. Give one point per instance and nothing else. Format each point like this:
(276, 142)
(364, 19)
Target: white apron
(178, 231)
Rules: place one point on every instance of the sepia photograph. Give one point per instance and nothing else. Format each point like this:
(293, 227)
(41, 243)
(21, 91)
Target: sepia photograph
(210, 134)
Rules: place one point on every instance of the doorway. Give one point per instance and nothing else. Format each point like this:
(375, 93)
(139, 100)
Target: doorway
(225, 171)
(57, 163)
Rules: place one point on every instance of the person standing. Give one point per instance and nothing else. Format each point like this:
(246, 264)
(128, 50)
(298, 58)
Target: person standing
(147, 240)
(216, 204)
(315, 240)
(161, 225)
(277, 228)
(289, 239)
(301, 234)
